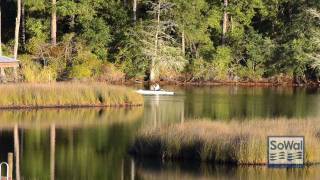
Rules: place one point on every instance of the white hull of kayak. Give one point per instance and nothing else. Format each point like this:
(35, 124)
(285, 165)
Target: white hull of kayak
(149, 92)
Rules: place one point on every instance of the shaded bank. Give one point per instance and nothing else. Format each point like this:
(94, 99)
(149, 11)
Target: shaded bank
(266, 82)
(66, 95)
(151, 170)
(234, 142)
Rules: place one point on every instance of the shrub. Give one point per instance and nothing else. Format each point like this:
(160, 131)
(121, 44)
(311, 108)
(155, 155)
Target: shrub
(222, 62)
(202, 70)
(218, 69)
(85, 64)
(34, 72)
(110, 73)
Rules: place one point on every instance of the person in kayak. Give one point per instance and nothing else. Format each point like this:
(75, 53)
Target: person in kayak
(155, 87)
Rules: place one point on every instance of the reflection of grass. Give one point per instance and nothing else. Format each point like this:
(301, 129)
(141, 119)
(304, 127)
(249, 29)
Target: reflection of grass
(65, 118)
(223, 172)
(66, 95)
(227, 142)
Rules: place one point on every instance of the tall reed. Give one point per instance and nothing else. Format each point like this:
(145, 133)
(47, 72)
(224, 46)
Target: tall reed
(236, 142)
(66, 95)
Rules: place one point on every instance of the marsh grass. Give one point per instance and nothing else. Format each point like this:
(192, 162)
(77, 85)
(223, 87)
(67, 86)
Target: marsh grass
(66, 95)
(234, 142)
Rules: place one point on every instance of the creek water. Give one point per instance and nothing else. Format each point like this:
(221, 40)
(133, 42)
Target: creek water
(92, 143)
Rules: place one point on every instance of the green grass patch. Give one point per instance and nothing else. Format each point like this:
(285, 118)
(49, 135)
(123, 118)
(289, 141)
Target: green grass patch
(67, 95)
(234, 142)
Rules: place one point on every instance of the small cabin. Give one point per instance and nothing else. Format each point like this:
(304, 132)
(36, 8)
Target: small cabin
(7, 62)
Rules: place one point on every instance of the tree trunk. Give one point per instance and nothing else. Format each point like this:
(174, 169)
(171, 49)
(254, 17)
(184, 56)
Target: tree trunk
(16, 151)
(52, 151)
(23, 26)
(16, 37)
(134, 8)
(72, 23)
(3, 78)
(0, 35)
(195, 50)
(231, 24)
(152, 68)
(133, 172)
(53, 23)
(10, 163)
(183, 43)
(15, 74)
(225, 21)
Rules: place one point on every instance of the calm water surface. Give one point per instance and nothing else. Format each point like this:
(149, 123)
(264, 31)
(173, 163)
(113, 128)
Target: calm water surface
(80, 144)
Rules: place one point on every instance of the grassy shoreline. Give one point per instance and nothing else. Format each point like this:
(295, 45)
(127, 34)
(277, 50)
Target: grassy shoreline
(234, 142)
(66, 95)
(255, 83)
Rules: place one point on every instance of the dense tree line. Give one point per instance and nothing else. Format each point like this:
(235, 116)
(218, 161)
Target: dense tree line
(184, 40)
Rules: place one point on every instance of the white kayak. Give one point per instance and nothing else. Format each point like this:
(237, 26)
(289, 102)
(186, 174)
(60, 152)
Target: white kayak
(150, 92)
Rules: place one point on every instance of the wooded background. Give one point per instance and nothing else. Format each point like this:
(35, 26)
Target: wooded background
(180, 40)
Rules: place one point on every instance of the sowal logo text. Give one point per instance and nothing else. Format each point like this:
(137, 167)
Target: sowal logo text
(285, 151)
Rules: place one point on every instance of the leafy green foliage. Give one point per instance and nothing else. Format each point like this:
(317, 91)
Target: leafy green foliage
(130, 57)
(259, 52)
(97, 35)
(315, 41)
(222, 62)
(85, 65)
(263, 39)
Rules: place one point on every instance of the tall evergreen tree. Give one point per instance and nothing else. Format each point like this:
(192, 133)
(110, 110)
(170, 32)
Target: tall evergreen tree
(53, 22)
(17, 29)
(225, 21)
(23, 25)
(134, 9)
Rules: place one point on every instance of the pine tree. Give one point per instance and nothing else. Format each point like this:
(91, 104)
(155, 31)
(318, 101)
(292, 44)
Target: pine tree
(17, 29)
(53, 23)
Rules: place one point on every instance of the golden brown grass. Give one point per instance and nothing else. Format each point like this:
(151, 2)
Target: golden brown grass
(66, 95)
(238, 142)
